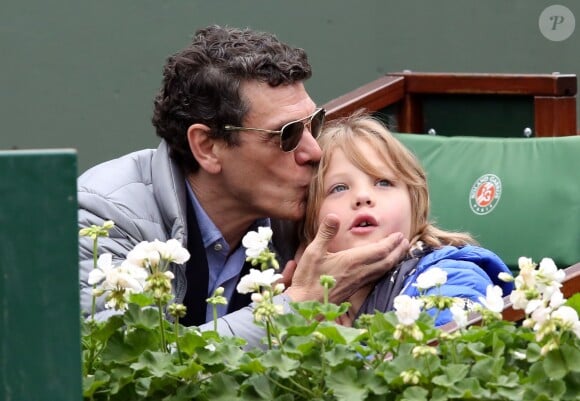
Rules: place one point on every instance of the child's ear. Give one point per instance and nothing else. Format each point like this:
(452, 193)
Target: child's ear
(203, 146)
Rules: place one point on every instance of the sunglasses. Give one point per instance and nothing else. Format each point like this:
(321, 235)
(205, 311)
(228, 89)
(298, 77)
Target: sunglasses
(291, 133)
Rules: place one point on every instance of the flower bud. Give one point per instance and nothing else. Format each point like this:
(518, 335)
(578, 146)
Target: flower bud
(257, 298)
(327, 281)
(177, 310)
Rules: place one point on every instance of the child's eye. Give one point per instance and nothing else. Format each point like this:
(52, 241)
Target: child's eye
(338, 188)
(384, 183)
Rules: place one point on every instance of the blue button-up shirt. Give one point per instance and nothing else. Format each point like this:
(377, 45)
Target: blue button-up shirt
(224, 270)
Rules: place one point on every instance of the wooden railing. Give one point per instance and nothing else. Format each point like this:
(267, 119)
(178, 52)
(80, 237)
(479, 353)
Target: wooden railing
(553, 97)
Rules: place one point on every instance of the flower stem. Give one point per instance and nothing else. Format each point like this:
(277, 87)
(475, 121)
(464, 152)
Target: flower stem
(94, 303)
(161, 327)
(215, 317)
(176, 329)
(269, 334)
(289, 389)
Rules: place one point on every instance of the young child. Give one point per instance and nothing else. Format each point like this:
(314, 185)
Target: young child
(377, 187)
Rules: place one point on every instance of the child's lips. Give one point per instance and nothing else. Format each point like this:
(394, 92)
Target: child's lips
(363, 224)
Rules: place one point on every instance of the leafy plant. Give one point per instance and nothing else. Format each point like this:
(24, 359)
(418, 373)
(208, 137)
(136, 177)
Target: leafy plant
(399, 355)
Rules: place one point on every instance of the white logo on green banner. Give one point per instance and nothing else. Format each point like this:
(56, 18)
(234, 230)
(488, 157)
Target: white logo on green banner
(485, 193)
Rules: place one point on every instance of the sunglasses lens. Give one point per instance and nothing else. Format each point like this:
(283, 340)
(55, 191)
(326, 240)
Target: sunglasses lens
(292, 132)
(291, 135)
(317, 122)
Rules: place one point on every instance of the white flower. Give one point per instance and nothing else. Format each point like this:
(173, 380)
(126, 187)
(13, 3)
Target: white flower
(144, 254)
(257, 297)
(173, 251)
(493, 298)
(533, 305)
(104, 265)
(407, 309)
(540, 315)
(518, 299)
(210, 347)
(459, 315)
(505, 277)
(150, 253)
(431, 278)
(255, 279)
(256, 242)
(567, 316)
(279, 288)
(557, 299)
(525, 263)
(127, 276)
(519, 355)
(549, 273)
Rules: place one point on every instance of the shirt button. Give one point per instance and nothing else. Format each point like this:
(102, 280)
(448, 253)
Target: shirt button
(218, 247)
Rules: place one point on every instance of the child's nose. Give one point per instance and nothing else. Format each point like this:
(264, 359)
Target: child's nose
(363, 199)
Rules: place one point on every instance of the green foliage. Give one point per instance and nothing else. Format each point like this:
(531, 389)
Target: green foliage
(321, 360)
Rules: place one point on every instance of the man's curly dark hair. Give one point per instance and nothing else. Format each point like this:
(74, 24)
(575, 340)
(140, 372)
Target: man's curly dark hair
(201, 83)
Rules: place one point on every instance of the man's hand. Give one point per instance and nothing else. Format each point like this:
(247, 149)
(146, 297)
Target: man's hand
(352, 268)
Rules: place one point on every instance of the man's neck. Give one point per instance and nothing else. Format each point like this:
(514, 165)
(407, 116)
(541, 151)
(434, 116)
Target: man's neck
(224, 211)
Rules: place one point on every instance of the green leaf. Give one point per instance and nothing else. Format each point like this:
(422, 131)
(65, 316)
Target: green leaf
(146, 318)
(572, 382)
(190, 371)
(451, 374)
(142, 386)
(292, 324)
(555, 365)
(231, 355)
(341, 334)
(571, 357)
(536, 372)
(306, 309)
(251, 364)
(342, 354)
(281, 364)
(331, 311)
(222, 387)
(346, 385)
(574, 302)
(187, 392)
(190, 341)
(469, 388)
(123, 349)
(533, 352)
(553, 389)
(103, 331)
(498, 346)
(141, 299)
(261, 386)
(486, 369)
(414, 393)
(439, 394)
(156, 363)
(94, 382)
(120, 377)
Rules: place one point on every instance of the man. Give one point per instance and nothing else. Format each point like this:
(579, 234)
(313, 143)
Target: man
(238, 148)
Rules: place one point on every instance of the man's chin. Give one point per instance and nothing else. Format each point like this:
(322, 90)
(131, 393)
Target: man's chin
(291, 211)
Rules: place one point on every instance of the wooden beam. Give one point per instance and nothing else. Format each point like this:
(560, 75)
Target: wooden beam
(555, 116)
(479, 83)
(373, 96)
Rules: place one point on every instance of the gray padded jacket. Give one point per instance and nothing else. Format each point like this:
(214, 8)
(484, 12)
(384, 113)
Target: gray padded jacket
(144, 193)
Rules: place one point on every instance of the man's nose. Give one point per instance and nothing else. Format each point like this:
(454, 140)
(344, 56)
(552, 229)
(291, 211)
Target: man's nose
(308, 150)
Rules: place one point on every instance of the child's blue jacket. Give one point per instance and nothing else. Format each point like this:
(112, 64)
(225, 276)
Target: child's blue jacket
(470, 269)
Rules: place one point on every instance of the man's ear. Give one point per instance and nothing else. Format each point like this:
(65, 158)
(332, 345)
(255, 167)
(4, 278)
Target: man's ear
(203, 147)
